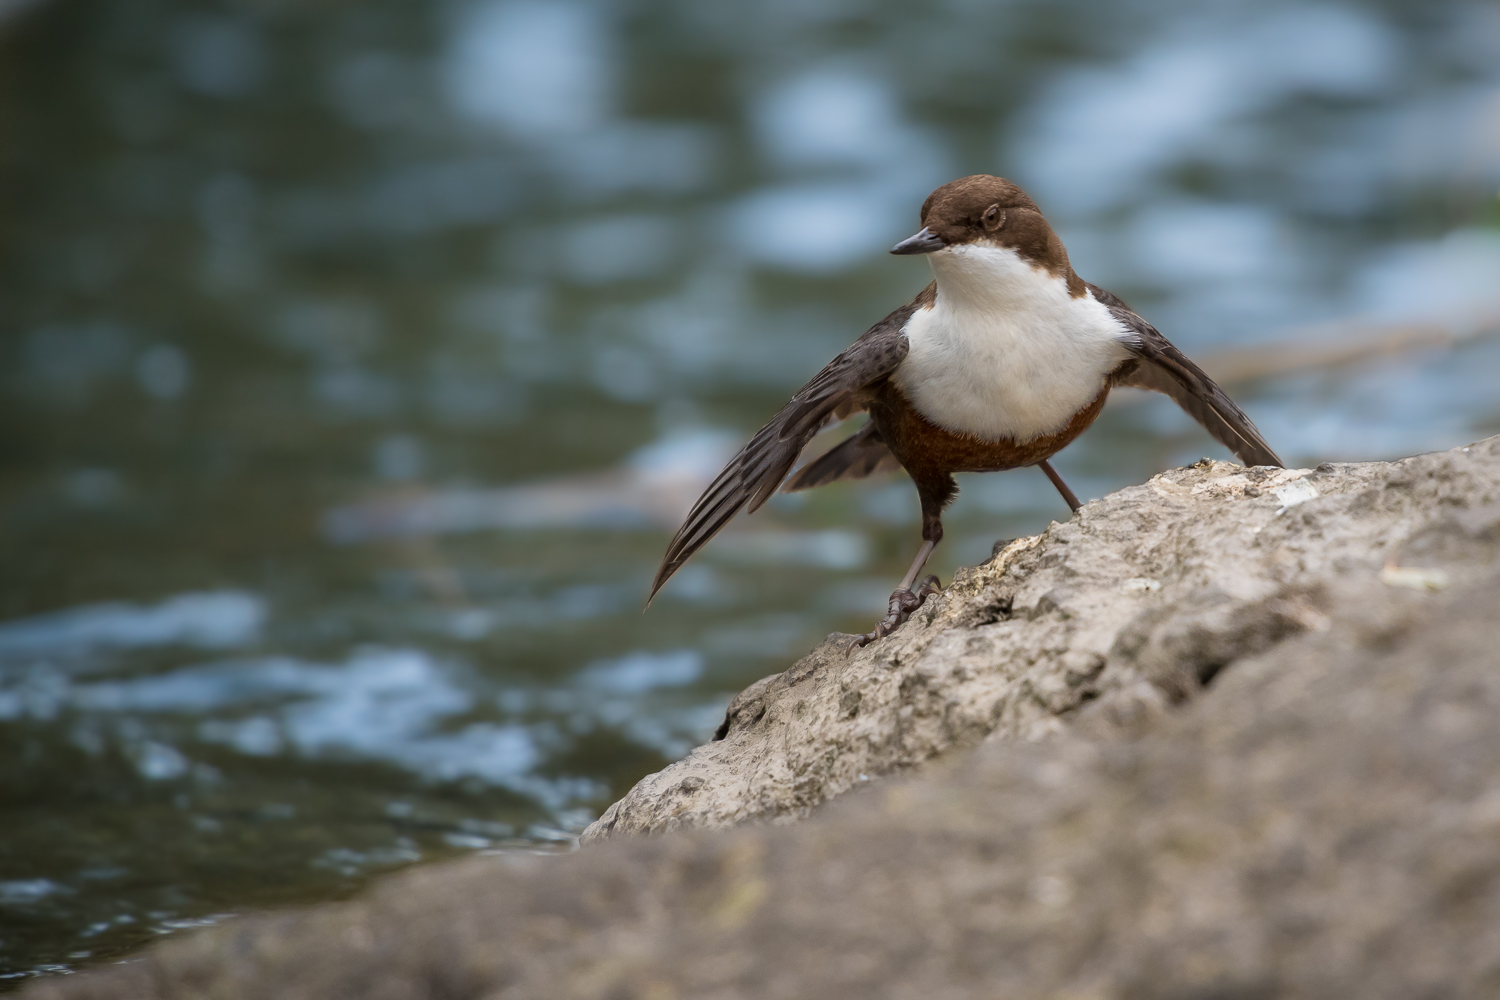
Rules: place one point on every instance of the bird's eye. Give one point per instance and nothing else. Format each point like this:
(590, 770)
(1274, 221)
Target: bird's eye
(993, 218)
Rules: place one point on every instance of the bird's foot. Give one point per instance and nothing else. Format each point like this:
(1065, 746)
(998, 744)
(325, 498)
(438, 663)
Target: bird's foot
(903, 603)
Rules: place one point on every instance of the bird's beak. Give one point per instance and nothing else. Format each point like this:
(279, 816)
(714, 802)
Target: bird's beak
(924, 242)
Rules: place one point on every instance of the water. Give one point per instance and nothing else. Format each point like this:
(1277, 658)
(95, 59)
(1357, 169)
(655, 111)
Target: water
(359, 359)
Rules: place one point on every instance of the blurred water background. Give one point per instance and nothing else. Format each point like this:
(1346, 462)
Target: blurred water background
(357, 359)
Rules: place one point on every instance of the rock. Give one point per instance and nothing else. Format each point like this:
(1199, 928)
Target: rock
(1133, 605)
(1322, 820)
(1325, 824)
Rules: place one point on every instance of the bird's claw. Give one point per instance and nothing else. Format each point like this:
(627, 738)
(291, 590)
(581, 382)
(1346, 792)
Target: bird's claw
(903, 603)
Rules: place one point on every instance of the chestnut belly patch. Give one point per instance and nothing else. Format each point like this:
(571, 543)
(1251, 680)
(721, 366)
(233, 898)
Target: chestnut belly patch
(924, 448)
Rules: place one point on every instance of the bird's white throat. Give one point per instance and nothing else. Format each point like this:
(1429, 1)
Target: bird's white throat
(1005, 352)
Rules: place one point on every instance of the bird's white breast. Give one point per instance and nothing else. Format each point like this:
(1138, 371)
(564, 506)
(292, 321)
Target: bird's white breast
(1005, 351)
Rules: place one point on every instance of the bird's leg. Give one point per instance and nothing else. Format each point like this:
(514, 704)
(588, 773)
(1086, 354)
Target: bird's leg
(903, 599)
(1062, 487)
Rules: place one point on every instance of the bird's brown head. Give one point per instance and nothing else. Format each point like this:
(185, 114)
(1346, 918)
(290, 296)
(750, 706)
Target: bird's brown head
(985, 210)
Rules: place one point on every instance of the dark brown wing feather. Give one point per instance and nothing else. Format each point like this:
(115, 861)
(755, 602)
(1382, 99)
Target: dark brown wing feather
(753, 475)
(857, 456)
(1161, 367)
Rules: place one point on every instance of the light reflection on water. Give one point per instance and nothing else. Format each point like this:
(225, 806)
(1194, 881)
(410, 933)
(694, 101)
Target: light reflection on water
(357, 363)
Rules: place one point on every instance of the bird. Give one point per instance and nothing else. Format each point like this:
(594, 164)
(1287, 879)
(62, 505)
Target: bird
(999, 363)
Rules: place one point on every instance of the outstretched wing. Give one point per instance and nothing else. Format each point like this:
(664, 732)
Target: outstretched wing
(1161, 367)
(753, 475)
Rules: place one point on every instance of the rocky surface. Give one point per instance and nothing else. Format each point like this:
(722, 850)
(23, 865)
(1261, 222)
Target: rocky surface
(1323, 820)
(1128, 608)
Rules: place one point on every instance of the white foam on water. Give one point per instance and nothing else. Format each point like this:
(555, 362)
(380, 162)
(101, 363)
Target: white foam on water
(815, 226)
(159, 762)
(695, 452)
(850, 163)
(210, 619)
(829, 116)
(20, 892)
(832, 548)
(381, 704)
(1099, 136)
(1180, 242)
(389, 705)
(641, 671)
(1450, 277)
(537, 70)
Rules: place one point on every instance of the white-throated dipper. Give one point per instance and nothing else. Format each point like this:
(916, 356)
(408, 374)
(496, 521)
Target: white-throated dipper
(1001, 362)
